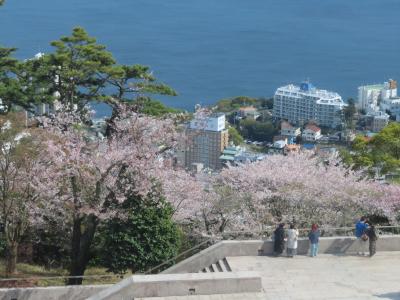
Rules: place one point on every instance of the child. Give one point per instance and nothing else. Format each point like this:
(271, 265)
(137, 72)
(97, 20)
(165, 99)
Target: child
(313, 236)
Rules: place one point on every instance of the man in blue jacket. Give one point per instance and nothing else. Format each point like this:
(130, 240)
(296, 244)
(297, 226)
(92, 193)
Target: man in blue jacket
(361, 227)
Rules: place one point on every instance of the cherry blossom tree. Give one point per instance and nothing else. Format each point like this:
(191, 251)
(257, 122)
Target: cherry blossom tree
(186, 193)
(19, 168)
(302, 188)
(86, 174)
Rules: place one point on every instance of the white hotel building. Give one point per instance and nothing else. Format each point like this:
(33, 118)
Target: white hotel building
(300, 104)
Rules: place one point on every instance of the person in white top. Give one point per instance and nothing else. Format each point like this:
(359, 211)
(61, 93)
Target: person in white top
(292, 237)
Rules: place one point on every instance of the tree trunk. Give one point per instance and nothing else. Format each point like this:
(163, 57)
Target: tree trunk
(82, 238)
(11, 258)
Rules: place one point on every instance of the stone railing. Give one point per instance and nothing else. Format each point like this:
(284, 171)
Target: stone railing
(329, 245)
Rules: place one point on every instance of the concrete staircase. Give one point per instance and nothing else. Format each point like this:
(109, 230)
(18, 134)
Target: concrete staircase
(221, 265)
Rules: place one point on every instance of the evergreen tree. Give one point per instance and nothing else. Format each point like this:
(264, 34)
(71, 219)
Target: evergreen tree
(142, 239)
(78, 70)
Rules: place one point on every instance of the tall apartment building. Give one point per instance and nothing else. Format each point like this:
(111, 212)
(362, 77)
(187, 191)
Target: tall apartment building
(369, 97)
(304, 103)
(379, 97)
(390, 101)
(206, 140)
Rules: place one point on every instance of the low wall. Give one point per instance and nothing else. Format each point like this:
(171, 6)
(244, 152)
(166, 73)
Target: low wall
(52, 293)
(328, 245)
(182, 285)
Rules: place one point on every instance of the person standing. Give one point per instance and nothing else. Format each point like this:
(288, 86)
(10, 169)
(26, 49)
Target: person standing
(279, 239)
(372, 237)
(313, 236)
(293, 235)
(361, 243)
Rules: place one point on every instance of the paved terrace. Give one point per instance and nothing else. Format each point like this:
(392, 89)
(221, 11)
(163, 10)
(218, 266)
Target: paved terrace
(325, 277)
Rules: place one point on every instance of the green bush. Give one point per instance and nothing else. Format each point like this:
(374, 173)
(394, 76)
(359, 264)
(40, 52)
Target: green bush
(145, 237)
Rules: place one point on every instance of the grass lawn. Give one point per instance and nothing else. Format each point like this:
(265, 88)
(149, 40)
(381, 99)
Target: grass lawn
(34, 274)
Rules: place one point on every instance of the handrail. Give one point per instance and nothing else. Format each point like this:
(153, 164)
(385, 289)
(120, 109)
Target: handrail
(151, 270)
(271, 229)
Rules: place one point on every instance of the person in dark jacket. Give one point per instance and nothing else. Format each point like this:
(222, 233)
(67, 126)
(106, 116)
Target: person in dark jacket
(279, 239)
(361, 228)
(313, 236)
(372, 237)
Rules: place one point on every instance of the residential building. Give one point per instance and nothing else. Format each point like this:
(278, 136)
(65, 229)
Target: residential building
(215, 122)
(304, 103)
(276, 138)
(369, 97)
(389, 100)
(237, 155)
(380, 120)
(249, 112)
(380, 97)
(278, 147)
(288, 129)
(311, 133)
(206, 140)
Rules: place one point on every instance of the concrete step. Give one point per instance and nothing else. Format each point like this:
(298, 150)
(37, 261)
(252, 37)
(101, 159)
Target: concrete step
(226, 265)
(215, 267)
(222, 266)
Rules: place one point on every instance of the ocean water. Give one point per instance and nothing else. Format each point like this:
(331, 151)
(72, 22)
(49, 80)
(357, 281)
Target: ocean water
(213, 49)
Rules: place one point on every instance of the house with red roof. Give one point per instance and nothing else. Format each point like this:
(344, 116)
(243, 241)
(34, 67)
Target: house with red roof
(311, 133)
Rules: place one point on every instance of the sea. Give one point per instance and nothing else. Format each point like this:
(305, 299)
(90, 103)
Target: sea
(213, 49)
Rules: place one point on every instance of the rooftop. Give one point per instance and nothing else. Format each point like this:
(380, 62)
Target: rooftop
(313, 127)
(247, 108)
(286, 125)
(373, 86)
(294, 90)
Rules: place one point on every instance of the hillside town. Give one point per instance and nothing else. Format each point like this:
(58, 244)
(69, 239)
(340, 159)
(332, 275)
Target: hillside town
(109, 191)
(305, 118)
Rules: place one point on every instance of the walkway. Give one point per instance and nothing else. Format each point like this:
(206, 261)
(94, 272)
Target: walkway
(326, 277)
